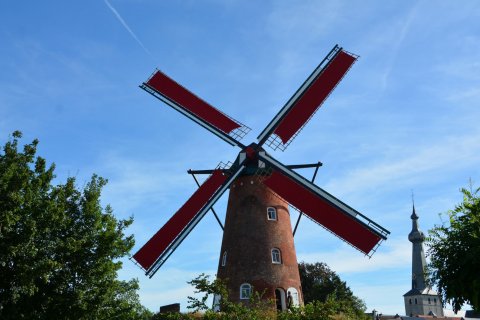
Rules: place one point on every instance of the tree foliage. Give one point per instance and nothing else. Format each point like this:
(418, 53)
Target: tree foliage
(59, 248)
(454, 250)
(329, 298)
(320, 283)
(258, 307)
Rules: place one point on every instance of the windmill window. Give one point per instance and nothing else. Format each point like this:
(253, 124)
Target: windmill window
(245, 291)
(224, 259)
(276, 256)
(271, 213)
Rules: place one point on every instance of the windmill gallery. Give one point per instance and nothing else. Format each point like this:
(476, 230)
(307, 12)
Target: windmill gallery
(257, 251)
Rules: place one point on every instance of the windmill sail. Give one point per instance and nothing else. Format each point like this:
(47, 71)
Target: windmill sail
(320, 206)
(200, 111)
(308, 98)
(155, 252)
(323, 208)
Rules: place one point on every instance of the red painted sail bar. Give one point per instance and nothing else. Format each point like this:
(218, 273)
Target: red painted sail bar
(340, 223)
(150, 252)
(314, 96)
(185, 99)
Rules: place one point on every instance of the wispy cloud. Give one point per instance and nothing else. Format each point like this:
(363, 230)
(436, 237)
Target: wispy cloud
(468, 94)
(461, 150)
(383, 302)
(394, 252)
(125, 25)
(133, 181)
(173, 284)
(405, 27)
(308, 18)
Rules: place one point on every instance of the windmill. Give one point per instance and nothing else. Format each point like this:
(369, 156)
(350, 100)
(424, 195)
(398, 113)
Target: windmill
(257, 247)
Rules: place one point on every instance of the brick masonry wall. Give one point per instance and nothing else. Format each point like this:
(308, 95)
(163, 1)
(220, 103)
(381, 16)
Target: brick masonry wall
(249, 238)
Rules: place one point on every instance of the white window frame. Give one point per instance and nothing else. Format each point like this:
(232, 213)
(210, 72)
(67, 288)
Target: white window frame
(276, 256)
(224, 258)
(274, 215)
(245, 291)
(294, 293)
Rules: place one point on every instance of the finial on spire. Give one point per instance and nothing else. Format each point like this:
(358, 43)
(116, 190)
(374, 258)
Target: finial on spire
(414, 215)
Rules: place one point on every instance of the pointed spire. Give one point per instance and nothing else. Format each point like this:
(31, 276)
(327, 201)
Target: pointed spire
(420, 288)
(414, 215)
(415, 235)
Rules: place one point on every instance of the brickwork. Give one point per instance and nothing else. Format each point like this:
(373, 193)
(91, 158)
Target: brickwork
(249, 238)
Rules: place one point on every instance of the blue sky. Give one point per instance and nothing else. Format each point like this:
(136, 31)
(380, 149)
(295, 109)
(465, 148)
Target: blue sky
(404, 118)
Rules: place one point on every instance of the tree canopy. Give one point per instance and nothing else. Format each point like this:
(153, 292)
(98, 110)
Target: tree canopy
(320, 283)
(326, 296)
(59, 248)
(454, 250)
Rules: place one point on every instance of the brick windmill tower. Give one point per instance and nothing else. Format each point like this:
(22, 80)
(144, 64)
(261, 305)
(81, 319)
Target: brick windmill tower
(257, 250)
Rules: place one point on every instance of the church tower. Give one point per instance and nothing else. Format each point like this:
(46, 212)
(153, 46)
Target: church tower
(421, 299)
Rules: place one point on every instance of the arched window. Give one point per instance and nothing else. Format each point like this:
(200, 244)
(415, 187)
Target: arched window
(410, 301)
(224, 259)
(245, 291)
(435, 300)
(276, 256)
(415, 300)
(271, 213)
(429, 301)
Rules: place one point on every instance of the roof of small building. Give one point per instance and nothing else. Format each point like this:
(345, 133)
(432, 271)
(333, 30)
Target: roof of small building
(471, 314)
(426, 292)
(430, 317)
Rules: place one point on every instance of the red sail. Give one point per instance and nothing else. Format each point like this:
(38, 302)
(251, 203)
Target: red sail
(341, 223)
(314, 96)
(185, 99)
(150, 252)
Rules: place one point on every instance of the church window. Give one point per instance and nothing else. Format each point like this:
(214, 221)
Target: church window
(271, 213)
(245, 291)
(224, 259)
(276, 256)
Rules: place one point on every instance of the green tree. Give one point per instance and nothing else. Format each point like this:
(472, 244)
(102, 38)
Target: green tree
(330, 309)
(320, 283)
(59, 249)
(259, 308)
(454, 251)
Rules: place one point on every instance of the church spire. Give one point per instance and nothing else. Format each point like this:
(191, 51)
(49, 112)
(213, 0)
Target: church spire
(416, 237)
(421, 299)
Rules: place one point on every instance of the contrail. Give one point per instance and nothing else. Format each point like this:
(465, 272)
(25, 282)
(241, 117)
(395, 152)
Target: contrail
(119, 17)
